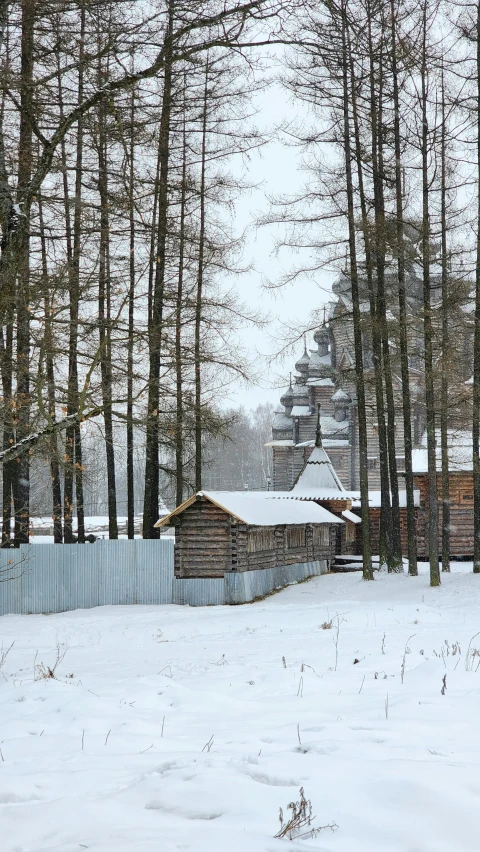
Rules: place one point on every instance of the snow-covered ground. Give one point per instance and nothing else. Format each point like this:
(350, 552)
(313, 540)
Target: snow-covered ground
(171, 728)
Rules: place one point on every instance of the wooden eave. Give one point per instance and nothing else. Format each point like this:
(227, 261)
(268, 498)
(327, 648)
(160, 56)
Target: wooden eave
(164, 522)
(339, 504)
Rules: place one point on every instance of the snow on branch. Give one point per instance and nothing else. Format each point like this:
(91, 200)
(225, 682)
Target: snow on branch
(25, 445)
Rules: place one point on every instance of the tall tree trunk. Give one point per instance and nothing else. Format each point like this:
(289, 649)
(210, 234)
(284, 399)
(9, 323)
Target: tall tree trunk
(445, 351)
(199, 298)
(178, 326)
(104, 317)
(395, 562)
(21, 482)
(78, 455)
(402, 304)
(427, 327)
(6, 354)
(150, 503)
(357, 330)
(476, 345)
(72, 435)
(10, 223)
(131, 329)
(51, 389)
(377, 311)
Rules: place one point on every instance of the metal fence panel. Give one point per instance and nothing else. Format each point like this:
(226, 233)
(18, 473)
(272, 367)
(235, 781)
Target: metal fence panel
(202, 592)
(116, 575)
(246, 586)
(47, 578)
(81, 580)
(11, 566)
(154, 571)
(41, 580)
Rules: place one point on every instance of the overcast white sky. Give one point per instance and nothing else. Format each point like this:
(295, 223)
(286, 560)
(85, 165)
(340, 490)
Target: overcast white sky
(276, 168)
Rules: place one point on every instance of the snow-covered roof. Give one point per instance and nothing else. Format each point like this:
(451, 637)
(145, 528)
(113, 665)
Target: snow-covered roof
(301, 411)
(335, 443)
(351, 516)
(460, 452)
(320, 360)
(261, 508)
(320, 383)
(332, 443)
(330, 426)
(340, 396)
(318, 474)
(287, 442)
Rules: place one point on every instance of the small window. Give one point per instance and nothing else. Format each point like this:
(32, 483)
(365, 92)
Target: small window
(468, 497)
(372, 463)
(400, 460)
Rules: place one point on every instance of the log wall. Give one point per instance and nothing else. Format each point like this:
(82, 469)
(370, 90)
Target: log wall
(203, 541)
(374, 515)
(210, 543)
(461, 514)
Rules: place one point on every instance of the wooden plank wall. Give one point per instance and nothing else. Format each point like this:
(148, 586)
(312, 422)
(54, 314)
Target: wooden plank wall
(289, 544)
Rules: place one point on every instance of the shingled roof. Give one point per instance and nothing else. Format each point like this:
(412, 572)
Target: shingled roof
(318, 475)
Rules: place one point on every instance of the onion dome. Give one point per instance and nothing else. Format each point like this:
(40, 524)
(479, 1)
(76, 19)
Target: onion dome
(341, 400)
(341, 396)
(302, 364)
(322, 339)
(287, 399)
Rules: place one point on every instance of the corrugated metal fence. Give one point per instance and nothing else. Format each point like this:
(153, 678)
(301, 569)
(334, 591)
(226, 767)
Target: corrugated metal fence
(47, 578)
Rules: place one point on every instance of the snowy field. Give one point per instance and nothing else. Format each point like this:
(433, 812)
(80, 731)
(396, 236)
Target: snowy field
(171, 728)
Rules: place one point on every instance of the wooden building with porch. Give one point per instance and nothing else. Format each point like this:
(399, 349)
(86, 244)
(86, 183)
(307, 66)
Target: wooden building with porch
(224, 531)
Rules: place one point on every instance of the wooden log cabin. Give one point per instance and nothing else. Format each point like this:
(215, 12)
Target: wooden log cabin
(461, 495)
(219, 532)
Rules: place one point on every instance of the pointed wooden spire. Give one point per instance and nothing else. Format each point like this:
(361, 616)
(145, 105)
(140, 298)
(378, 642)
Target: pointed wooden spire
(318, 434)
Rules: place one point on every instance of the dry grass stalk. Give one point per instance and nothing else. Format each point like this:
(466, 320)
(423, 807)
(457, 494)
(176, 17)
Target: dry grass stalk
(300, 822)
